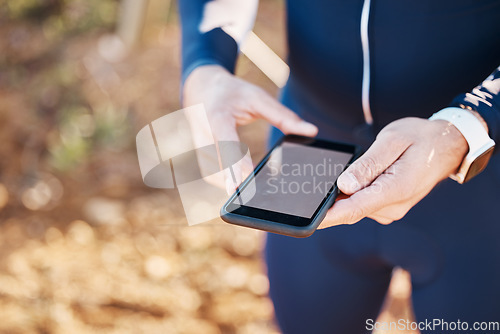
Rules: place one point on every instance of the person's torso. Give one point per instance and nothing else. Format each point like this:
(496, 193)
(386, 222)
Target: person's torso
(422, 53)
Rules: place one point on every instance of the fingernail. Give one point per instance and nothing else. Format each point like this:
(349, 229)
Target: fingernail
(348, 183)
(308, 128)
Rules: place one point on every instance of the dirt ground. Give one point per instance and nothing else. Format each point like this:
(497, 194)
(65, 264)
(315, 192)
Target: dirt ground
(85, 246)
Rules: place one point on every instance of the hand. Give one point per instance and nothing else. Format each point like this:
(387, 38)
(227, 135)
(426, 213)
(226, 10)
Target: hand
(230, 102)
(408, 158)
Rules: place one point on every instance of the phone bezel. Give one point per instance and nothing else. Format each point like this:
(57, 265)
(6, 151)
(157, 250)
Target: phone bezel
(281, 218)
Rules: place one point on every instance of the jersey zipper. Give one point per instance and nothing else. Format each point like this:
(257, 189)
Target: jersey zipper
(365, 44)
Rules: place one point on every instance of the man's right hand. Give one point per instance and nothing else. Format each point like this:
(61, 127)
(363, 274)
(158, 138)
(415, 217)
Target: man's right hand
(231, 102)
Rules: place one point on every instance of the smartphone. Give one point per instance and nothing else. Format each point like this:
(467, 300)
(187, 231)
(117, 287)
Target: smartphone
(292, 188)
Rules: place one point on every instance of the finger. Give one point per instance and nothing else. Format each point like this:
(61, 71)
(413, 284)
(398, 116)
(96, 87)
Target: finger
(238, 172)
(233, 178)
(381, 219)
(282, 117)
(363, 203)
(237, 165)
(382, 154)
(246, 166)
(395, 211)
(341, 196)
(224, 130)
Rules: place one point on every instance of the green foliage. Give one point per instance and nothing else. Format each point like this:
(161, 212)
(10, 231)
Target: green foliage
(112, 127)
(62, 17)
(35, 61)
(81, 131)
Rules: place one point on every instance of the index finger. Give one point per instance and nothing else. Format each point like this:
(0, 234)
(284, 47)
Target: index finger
(282, 117)
(382, 192)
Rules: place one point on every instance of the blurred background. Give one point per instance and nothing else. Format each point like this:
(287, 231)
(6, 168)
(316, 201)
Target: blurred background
(85, 246)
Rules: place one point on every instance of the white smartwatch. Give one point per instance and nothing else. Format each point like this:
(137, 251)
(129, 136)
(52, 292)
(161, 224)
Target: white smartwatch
(480, 144)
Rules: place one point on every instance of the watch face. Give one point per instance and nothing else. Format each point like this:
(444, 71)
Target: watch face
(479, 164)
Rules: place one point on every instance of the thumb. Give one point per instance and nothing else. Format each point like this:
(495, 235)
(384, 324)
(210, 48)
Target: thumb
(362, 172)
(282, 117)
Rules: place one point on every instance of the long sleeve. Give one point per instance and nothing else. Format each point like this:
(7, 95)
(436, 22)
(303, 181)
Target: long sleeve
(212, 31)
(485, 99)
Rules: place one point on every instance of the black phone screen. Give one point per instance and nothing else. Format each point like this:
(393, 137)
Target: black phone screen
(294, 179)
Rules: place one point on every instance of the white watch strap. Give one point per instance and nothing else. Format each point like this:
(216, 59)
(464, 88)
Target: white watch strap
(470, 127)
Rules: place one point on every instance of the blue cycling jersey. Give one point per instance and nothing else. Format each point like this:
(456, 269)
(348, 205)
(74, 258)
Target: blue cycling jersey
(423, 56)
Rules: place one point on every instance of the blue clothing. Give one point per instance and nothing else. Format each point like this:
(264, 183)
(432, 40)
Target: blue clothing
(335, 280)
(424, 55)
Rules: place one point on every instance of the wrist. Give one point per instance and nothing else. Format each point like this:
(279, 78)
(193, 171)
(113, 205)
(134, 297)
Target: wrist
(480, 145)
(456, 144)
(200, 78)
(477, 115)
(204, 74)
